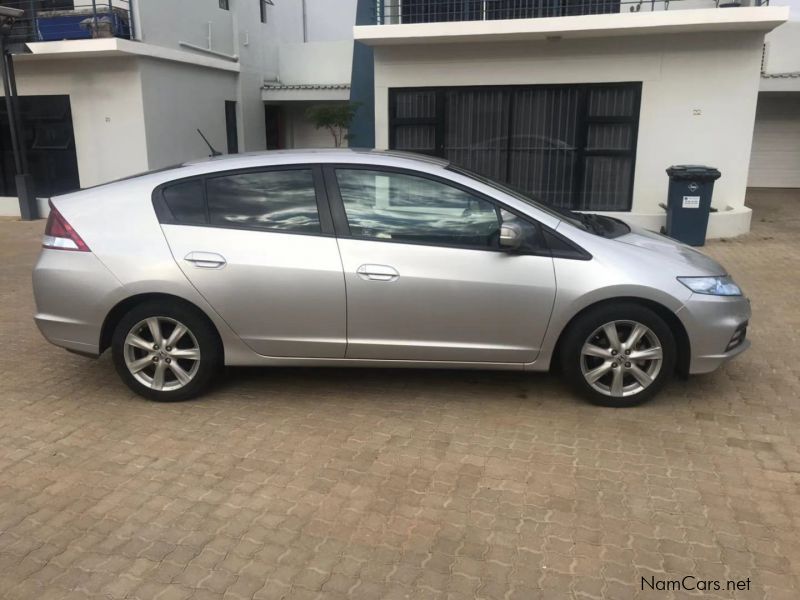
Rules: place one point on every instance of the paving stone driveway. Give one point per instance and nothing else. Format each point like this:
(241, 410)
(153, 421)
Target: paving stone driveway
(403, 484)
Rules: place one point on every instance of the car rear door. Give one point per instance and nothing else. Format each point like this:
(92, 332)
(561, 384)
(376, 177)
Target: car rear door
(426, 279)
(258, 244)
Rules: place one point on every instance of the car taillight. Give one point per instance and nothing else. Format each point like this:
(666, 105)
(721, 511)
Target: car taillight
(59, 235)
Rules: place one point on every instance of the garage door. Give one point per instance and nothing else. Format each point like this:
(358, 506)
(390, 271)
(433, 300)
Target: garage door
(775, 159)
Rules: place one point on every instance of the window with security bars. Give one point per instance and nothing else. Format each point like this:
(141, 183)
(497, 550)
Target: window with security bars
(572, 146)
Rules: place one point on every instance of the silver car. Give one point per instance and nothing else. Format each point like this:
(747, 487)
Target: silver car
(371, 259)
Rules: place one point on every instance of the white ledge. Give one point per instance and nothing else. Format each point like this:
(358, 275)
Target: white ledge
(233, 57)
(758, 18)
(316, 94)
(102, 47)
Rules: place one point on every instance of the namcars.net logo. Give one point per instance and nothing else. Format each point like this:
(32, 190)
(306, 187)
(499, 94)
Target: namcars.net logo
(690, 583)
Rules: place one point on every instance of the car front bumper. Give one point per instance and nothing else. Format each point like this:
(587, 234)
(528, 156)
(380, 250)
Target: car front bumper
(716, 326)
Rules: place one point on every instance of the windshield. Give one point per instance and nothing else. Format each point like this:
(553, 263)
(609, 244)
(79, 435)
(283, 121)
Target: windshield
(561, 214)
(597, 224)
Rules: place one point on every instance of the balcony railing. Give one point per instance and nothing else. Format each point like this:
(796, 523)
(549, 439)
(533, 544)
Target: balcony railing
(390, 12)
(55, 20)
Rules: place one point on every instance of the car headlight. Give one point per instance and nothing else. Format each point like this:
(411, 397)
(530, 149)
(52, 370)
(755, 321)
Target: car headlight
(714, 286)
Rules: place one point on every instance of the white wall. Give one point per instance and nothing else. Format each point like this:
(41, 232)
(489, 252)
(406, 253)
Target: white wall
(252, 129)
(775, 159)
(330, 20)
(167, 22)
(326, 20)
(328, 24)
(718, 75)
(131, 114)
(179, 99)
(714, 73)
(237, 32)
(255, 59)
(284, 22)
(107, 112)
(782, 52)
(322, 54)
(299, 131)
(315, 62)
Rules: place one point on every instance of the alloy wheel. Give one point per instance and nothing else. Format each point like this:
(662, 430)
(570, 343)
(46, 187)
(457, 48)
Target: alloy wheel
(162, 353)
(621, 358)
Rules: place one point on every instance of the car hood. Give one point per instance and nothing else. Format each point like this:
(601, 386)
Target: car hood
(686, 258)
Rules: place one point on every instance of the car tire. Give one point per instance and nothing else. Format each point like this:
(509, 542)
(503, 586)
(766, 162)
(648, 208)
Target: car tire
(155, 369)
(621, 372)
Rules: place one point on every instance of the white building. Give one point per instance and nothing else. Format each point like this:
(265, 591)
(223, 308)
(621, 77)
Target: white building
(584, 111)
(132, 97)
(310, 64)
(583, 104)
(775, 160)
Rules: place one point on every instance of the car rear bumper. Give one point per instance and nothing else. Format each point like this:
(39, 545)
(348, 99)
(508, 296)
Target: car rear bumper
(73, 291)
(716, 326)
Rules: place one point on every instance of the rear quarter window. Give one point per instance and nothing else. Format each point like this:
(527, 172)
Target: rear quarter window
(185, 202)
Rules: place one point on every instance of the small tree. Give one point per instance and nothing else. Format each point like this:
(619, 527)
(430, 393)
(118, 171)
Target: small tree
(336, 118)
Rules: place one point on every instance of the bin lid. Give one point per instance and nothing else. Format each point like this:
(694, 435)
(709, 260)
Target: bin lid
(693, 172)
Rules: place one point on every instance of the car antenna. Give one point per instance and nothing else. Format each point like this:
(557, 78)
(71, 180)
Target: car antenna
(214, 151)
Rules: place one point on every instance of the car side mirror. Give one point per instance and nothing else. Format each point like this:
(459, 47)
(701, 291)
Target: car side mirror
(510, 236)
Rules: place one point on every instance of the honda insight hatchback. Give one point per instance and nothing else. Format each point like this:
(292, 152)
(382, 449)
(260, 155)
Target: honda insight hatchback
(371, 259)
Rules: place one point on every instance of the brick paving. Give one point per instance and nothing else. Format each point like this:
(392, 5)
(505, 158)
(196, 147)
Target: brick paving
(403, 484)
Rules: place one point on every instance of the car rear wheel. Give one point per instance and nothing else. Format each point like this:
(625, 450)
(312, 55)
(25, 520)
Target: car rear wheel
(166, 351)
(618, 355)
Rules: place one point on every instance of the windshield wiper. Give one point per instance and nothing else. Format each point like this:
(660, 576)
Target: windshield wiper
(604, 226)
(571, 216)
(590, 221)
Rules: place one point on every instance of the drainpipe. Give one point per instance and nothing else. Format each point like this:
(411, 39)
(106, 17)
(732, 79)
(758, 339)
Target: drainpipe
(305, 22)
(241, 130)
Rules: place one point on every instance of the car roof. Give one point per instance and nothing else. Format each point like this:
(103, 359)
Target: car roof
(147, 182)
(269, 158)
(316, 155)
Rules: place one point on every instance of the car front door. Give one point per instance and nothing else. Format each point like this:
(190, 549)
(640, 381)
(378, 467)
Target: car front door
(425, 276)
(259, 246)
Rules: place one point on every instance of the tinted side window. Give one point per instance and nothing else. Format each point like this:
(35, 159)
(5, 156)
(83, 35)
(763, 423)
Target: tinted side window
(185, 202)
(277, 200)
(406, 208)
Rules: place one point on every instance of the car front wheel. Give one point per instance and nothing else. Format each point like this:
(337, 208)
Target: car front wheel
(165, 352)
(619, 355)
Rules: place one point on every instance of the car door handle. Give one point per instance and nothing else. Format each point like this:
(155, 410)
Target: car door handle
(206, 260)
(377, 273)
